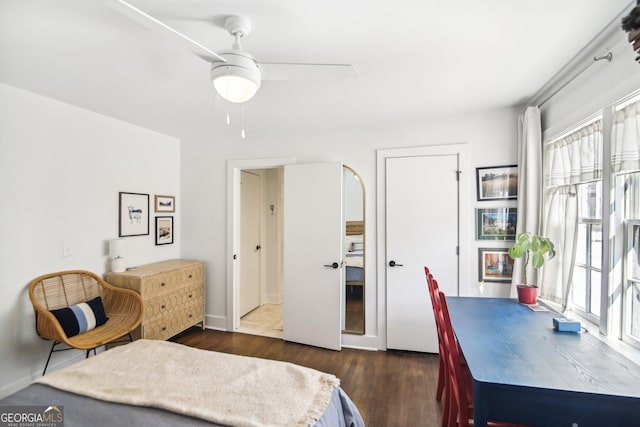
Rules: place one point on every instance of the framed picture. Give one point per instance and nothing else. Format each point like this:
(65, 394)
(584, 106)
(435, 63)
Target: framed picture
(497, 182)
(165, 203)
(496, 223)
(164, 230)
(494, 265)
(133, 214)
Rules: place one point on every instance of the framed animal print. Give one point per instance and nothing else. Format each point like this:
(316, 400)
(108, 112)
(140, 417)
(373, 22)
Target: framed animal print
(133, 214)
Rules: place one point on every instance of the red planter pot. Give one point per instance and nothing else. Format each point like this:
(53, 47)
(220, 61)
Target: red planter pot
(527, 294)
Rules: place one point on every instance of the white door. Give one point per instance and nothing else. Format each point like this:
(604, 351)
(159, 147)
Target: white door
(313, 230)
(249, 242)
(421, 229)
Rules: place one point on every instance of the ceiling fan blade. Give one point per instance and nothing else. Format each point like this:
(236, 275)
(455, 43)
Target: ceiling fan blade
(278, 71)
(153, 24)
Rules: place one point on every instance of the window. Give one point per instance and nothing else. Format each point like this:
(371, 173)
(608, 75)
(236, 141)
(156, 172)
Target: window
(631, 269)
(587, 270)
(598, 165)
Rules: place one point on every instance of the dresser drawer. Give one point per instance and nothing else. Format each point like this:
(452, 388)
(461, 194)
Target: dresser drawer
(175, 301)
(172, 323)
(169, 281)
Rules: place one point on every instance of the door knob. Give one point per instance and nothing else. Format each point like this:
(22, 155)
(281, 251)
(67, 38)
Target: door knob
(392, 263)
(334, 265)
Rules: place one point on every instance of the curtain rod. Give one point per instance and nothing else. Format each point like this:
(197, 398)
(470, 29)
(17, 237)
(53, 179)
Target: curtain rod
(608, 56)
(568, 69)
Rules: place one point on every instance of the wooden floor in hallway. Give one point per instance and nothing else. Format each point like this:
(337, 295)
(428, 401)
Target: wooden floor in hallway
(390, 388)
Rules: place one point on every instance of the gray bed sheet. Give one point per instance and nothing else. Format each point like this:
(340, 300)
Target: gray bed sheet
(81, 411)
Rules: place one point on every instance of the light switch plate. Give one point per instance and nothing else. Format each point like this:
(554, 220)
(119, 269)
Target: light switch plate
(67, 248)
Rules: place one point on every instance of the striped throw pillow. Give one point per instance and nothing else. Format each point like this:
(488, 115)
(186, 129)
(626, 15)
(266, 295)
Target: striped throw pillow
(81, 317)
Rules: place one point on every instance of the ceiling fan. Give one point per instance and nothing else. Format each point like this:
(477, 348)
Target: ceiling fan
(235, 74)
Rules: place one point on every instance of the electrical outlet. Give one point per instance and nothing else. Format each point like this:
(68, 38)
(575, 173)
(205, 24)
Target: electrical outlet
(67, 249)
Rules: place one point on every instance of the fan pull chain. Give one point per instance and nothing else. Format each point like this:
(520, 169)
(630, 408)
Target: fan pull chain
(227, 88)
(242, 134)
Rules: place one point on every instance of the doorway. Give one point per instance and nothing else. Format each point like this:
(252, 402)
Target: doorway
(259, 287)
(267, 205)
(300, 324)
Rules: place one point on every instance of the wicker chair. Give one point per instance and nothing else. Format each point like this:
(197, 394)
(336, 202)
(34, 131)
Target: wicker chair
(123, 307)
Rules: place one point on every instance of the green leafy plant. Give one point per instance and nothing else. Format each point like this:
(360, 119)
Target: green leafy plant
(534, 248)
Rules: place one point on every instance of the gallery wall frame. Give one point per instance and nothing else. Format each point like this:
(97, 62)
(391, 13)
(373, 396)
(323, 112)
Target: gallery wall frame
(496, 223)
(497, 182)
(494, 265)
(164, 230)
(133, 214)
(164, 204)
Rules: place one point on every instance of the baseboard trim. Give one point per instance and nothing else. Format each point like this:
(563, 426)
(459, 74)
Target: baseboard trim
(218, 323)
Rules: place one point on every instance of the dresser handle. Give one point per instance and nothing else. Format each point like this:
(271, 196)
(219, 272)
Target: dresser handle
(190, 316)
(190, 295)
(162, 306)
(162, 284)
(164, 328)
(190, 276)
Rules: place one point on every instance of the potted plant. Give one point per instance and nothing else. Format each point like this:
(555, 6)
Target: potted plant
(631, 25)
(537, 250)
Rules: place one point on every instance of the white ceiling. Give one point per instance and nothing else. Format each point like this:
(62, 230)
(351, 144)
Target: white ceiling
(415, 58)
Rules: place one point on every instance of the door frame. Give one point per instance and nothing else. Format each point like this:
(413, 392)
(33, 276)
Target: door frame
(233, 226)
(464, 213)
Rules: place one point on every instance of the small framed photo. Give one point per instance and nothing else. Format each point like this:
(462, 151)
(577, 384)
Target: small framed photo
(133, 218)
(497, 182)
(496, 224)
(165, 203)
(164, 230)
(494, 265)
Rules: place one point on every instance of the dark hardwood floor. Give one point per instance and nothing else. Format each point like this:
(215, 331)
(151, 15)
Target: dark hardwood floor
(390, 388)
(354, 309)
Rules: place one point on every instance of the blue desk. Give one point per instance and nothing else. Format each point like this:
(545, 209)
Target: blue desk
(525, 372)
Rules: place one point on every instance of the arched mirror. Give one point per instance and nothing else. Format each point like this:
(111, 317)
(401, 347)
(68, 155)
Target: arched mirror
(353, 193)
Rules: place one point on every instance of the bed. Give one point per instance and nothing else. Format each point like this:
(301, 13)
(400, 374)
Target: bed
(161, 383)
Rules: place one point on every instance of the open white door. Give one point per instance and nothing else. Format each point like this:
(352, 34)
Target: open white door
(313, 230)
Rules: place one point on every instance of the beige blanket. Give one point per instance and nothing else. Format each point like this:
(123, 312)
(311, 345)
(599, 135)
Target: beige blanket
(218, 387)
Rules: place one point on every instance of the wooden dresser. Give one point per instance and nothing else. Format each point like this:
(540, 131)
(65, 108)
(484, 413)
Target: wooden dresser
(173, 292)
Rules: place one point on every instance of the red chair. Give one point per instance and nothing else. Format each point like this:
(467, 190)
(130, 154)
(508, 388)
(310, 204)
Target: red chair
(442, 368)
(459, 385)
(433, 289)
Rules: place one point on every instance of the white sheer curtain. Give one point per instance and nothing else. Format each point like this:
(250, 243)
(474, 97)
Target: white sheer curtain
(529, 182)
(571, 160)
(625, 139)
(561, 226)
(575, 158)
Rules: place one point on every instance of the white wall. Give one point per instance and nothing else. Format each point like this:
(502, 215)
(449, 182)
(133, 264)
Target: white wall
(491, 135)
(61, 169)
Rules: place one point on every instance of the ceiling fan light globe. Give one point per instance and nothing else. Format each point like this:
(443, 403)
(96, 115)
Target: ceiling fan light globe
(235, 88)
(238, 79)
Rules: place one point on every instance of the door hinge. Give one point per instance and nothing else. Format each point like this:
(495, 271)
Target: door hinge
(458, 250)
(235, 256)
(458, 175)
